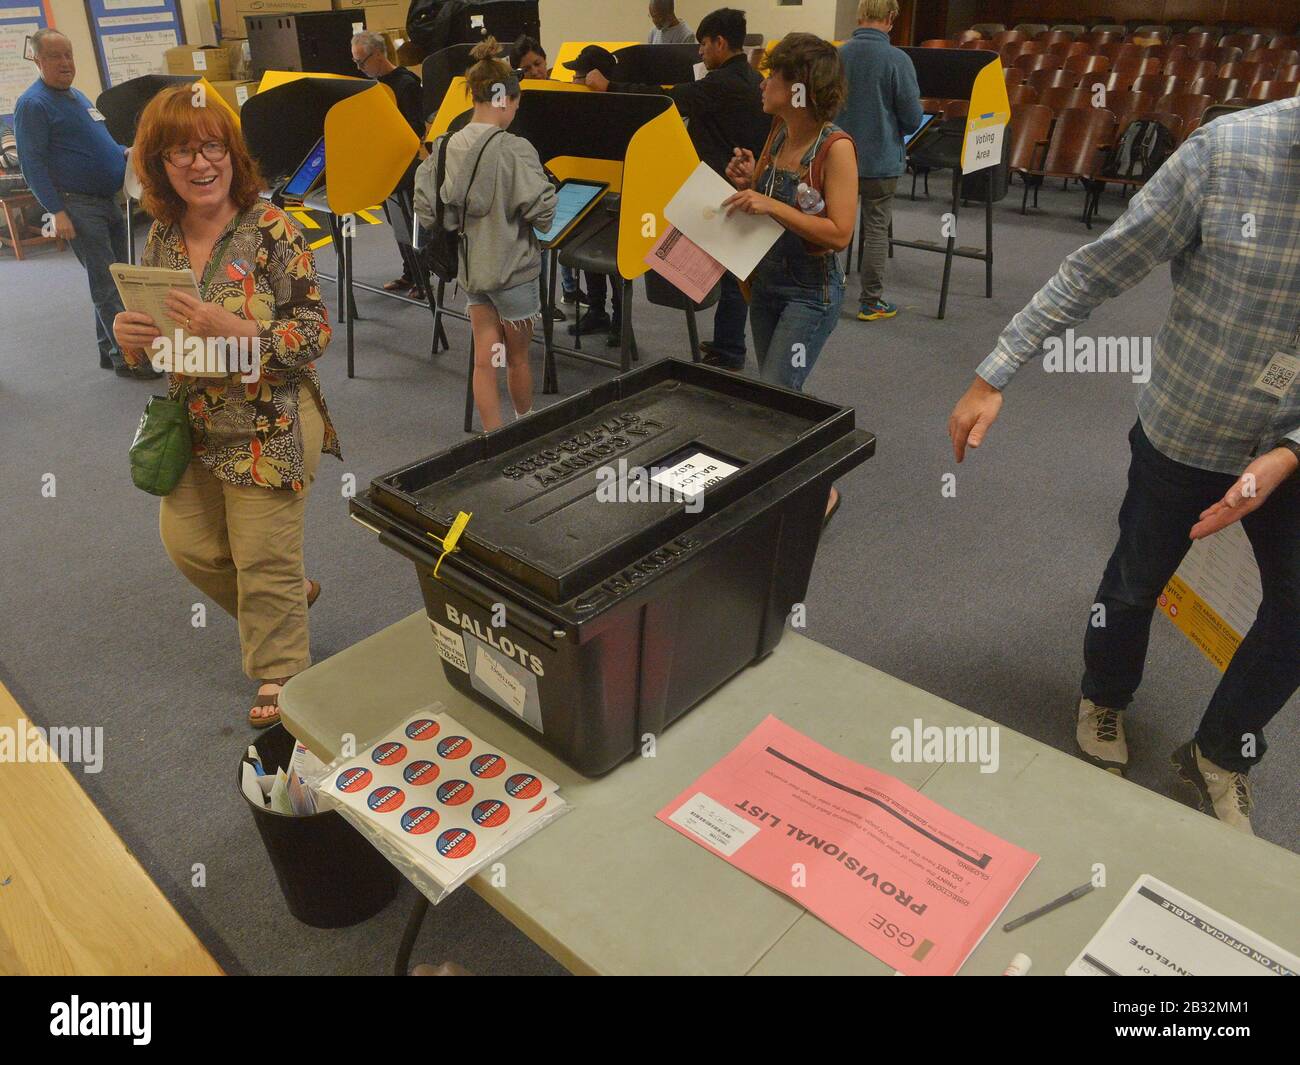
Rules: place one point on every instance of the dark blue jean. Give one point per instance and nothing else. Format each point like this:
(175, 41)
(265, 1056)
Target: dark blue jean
(1164, 500)
(100, 222)
(793, 307)
(729, 320)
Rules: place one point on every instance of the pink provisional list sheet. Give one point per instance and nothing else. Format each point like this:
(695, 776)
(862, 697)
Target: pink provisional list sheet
(904, 878)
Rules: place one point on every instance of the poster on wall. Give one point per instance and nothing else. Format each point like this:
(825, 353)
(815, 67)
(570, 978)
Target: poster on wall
(19, 19)
(132, 35)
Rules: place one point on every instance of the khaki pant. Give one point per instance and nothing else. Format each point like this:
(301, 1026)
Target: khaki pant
(242, 546)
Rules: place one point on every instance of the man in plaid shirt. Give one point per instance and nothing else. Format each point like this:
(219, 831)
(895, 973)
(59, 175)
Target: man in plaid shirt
(1218, 433)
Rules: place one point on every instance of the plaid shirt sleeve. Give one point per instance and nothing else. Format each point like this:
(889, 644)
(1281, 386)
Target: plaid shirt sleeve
(1162, 221)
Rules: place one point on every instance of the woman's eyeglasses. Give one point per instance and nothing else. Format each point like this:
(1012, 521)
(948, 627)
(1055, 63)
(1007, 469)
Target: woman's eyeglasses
(213, 152)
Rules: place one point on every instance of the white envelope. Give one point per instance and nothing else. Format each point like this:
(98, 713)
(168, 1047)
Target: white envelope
(739, 241)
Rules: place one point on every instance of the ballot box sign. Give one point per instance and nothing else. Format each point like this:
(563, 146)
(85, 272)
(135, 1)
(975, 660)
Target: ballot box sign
(1213, 597)
(982, 147)
(694, 474)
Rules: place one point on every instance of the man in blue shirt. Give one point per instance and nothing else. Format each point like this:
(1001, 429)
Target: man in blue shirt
(75, 168)
(883, 106)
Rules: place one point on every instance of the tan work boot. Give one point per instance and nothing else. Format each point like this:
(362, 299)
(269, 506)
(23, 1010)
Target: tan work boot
(1224, 792)
(1100, 735)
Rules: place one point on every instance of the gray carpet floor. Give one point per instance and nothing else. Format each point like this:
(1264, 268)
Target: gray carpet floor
(980, 598)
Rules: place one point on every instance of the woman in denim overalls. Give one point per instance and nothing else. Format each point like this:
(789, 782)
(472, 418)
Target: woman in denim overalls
(806, 179)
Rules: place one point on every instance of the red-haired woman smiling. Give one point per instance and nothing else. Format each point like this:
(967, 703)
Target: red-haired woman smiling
(233, 525)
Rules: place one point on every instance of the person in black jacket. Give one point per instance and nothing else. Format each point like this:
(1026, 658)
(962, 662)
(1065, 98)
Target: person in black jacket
(724, 111)
(370, 54)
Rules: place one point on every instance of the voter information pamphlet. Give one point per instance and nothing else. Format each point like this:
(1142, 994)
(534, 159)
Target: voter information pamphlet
(1156, 930)
(144, 290)
(901, 876)
(439, 796)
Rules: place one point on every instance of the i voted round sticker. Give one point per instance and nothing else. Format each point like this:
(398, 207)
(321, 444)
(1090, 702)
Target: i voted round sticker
(386, 799)
(420, 771)
(523, 786)
(453, 747)
(491, 813)
(455, 843)
(423, 728)
(455, 792)
(388, 753)
(486, 766)
(353, 779)
(420, 819)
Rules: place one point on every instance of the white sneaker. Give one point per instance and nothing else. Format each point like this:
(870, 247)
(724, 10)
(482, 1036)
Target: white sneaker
(1100, 735)
(1224, 792)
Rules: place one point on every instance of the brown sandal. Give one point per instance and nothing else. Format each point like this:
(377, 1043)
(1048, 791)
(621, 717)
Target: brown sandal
(260, 721)
(313, 593)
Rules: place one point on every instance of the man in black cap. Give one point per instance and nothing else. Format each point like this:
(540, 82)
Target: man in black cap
(724, 111)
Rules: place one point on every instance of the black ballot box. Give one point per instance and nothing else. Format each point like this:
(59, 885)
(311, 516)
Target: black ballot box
(316, 42)
(630, 548)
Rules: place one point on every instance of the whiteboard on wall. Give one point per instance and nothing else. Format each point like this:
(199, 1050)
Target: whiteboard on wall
(131, 36)
(19, 19)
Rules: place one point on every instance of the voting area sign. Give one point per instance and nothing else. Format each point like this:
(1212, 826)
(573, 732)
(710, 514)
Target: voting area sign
(990, 112)
(132, 35)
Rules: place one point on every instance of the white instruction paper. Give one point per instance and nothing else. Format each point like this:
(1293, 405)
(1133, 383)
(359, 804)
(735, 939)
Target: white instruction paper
(144, 289)
(1156, 930)
(738, 241)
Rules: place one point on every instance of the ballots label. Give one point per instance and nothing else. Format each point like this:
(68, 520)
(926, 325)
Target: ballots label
(693, 474)
(451, 646)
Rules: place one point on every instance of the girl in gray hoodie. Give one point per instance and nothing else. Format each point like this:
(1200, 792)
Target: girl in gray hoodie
(500, 258)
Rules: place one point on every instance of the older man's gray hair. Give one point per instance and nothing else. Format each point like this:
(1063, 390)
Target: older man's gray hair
(41, 36)
(371, 41)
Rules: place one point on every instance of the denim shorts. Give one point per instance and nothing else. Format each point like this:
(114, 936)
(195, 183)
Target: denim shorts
(519, 303)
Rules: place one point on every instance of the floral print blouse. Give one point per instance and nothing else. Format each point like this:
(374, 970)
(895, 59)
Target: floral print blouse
(249, 434)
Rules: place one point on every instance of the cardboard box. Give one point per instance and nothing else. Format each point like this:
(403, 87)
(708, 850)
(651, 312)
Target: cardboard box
(235, 93)
(233, 11)
(380, 14)
(211, 63)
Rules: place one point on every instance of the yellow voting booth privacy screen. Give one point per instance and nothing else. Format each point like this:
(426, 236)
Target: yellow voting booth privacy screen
(368, 146)
(986, 124)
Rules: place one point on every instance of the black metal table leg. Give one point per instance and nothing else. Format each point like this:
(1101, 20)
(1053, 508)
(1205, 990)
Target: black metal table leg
(402, 963)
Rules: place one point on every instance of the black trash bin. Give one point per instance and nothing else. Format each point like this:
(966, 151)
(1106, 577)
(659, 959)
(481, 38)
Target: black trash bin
(329, 873)
(590, 623)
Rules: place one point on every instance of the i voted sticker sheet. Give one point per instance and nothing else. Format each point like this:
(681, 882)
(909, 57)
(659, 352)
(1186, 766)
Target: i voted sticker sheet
(442, 794)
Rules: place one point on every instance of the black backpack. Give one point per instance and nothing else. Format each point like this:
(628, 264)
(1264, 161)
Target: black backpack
(1140, 151)
(441, 249)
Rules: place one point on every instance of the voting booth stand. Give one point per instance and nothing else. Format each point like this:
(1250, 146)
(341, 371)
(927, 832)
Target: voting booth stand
(121, 107)
(368, 148)
(639, 146)
(966, 146)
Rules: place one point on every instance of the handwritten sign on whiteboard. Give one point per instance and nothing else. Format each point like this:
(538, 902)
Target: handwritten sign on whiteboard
(131, 36)
(19, 19)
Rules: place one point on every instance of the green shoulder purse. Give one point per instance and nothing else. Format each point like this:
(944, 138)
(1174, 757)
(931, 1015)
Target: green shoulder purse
(161, 449)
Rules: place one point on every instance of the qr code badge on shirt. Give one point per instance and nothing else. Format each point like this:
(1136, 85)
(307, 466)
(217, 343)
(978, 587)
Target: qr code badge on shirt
(1279, 374)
